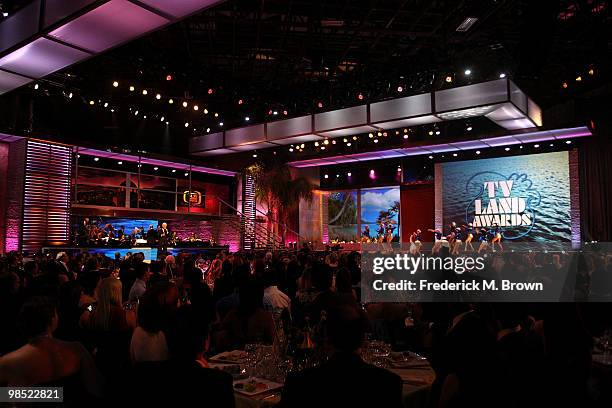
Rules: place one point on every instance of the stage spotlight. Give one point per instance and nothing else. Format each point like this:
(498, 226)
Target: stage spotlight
(591, 71)
(337, 175)
(477, 151)
(405, 130)
(185, 104)
(285, 113)
(507, 149)
(207, 130)
(186, 124)
(430, 157)
(174, 170)
(406, 136)
(568, 142)
(106, 104)
(216, 114)
(326, 176)
(578, 78)
(326, 142)
(120, 163)
(167, 122)
(247, 118)
(360, 97)
(375, 140)
(400, 89)
(158, 97)
(354, 137)
(345, 140)
(348, 144)
(322, 147)
(468, 72)
(379, 133)
(333, 142)
(70, 95)
(221, 124)
(302, 145)
(136, 113)
(115, 84)
(399, 168)
(196, 107)
(291, 149)
(145, 116)
(349, 174)
(448, 79)
(469, 128)
(170, 101)
(144, 92)
(155, 168)
(316, 144)
(502, 75)
(320, 104)
(132, 88)
(431, 133)
(210, 91)
(371, 135)
(454, 154)
(205, 111)
(186, 174)
(536, 146)
(254, 155)
(168, 77)
(437, 132)
(551, 145)
(162, 119)
(275, 113)
(91, 102)
(96, 159)
(112, 111)
(240, 101)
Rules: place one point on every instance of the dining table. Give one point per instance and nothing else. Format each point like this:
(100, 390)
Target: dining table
(415, 392)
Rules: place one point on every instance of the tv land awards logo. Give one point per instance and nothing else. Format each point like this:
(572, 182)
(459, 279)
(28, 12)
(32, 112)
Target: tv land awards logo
(192, 197)
(505, 201)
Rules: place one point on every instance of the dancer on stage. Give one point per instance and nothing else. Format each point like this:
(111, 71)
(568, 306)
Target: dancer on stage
(389, 232)
(483, 237)
(469, 236)
(380, 233)
(365, 234)
(496, 237)
(415, 243)
(437, 240)
(457, 237)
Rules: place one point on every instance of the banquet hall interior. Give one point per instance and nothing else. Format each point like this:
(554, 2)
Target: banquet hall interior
(209, 202)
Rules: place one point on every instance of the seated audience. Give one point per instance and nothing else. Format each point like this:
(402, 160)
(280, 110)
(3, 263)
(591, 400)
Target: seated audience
(140, 284)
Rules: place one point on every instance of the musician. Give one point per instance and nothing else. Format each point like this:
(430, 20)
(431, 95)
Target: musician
(151, 236)
(121, 233)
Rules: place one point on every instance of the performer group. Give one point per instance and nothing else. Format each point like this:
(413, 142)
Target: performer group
(459, 238)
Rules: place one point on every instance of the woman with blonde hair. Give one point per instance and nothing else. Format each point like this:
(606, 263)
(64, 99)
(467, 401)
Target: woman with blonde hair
(110, 327)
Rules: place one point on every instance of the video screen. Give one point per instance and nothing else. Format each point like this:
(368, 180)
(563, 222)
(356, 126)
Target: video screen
(380, 209)
(526, 197)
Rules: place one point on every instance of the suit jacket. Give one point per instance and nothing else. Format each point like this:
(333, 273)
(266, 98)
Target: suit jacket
(343, 381)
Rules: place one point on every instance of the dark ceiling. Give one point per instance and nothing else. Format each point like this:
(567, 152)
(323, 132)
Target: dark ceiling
(258, 57)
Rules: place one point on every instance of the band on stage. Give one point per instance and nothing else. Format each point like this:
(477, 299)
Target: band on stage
(91, 234)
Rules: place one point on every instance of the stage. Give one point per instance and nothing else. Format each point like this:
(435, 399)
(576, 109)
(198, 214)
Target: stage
(150, 253)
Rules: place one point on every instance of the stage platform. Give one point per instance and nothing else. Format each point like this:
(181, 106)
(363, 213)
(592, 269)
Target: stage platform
(150, 253)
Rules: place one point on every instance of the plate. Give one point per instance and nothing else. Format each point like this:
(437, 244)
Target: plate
(255, 386)
(232, 357)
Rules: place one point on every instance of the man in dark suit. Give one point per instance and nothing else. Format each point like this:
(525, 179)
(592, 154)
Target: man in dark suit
(345, 380)
(151, 236)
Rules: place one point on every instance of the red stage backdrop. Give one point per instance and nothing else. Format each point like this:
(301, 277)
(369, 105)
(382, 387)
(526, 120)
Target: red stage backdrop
(417, 201)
